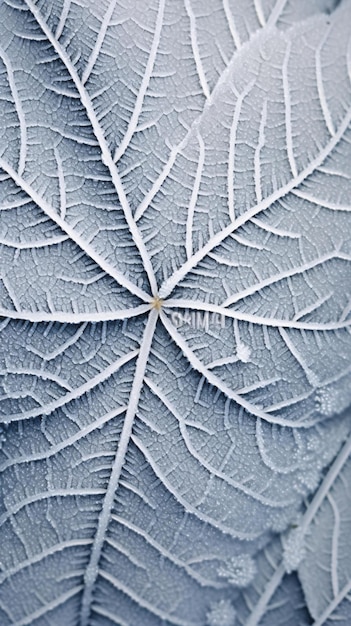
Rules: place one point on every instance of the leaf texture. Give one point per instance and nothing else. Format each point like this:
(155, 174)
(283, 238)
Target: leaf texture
(175, 293)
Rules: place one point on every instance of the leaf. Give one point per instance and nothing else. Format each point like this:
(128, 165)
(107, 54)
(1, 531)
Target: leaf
(175, 301)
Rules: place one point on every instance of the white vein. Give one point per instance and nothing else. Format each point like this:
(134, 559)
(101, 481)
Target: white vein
(333, 206)
(62, 184)
(280, 232)
(99, 41)
(20, 112)
(105, 514)
(133, 122)
(196, 51)
(335, 546)
(257, 157)
(73, 317)
(277, 12)
(259, 12)
(231, 23)
(63, 18)
(288, 124)
(53, 241)
(232, 144)
(320, 87)
(194, 197)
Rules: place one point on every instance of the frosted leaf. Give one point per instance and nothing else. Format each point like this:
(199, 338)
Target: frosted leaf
(239, 570)
(174, 290)
(222, 613)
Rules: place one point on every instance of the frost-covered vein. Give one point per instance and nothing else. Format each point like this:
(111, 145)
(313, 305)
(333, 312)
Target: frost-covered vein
(312, 509)
(37, 558)
(216, 382)
(70, 441)
(133, 122)
(160, 180)
(196, 51)
(280, 232)
(287, 102)
(305, 195)
(232, 144)
(76, 393)
(34, 244)
(326, 485)
(320, 87)
(277, 12)
(194, 197)
(112, 616)
(104, 517)
(12, 294)
(99, 41)
(335, 546)
(231, 23)
(62, 184)
(193, 452)
(85, 246)
(99, 134)
(19, 109)
(47, 495)
(63, 17)
(188, 507)
(257, 158)
(259, 12)
(196, 305)
(39, 374)
(47, 608)
(75, 318)
(170, 283)
(152, 608)
(166, 553)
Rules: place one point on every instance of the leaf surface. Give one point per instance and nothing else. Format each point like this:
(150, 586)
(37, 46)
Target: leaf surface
(175, 301)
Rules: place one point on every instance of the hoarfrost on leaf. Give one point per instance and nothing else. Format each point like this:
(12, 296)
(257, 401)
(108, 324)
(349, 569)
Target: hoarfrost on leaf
(294, 549)
(222, 613)
(239, 570)
(175, 311)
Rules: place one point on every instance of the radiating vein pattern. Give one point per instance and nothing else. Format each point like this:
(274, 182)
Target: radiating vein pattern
(175, 302)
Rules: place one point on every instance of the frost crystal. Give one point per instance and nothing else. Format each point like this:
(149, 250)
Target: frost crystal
(239, 570)
(294, 549)
(222, 613)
